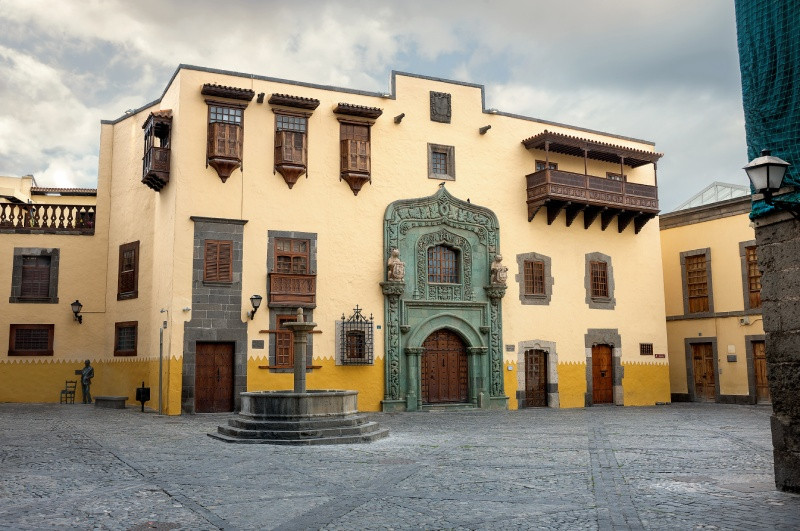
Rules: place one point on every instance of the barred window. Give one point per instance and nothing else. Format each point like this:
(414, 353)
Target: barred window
(599, 279)
(30, 340)
(442, 265)
(645, 349)
(534, 278)
(125, 338)
(354, 339)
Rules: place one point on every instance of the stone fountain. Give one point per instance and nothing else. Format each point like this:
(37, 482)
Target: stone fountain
(299, 417)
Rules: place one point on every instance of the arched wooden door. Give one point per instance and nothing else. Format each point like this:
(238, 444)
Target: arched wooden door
(444, 369)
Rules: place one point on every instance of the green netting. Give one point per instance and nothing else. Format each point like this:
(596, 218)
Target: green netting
(768, 33)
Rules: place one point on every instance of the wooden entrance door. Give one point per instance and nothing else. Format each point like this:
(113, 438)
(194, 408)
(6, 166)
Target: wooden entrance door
(444, 368)
(602, 380)
(214, 378)
(704, 374)
(535, 378)
(760, 369)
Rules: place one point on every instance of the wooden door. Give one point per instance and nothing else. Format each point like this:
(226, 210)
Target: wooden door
(704, 374)
(444, 368)
(284, 342)
(535, 378)
(602, 380)
(214, 377)
(760, 369)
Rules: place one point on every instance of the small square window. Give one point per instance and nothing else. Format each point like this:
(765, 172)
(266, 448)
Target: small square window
(441, 162)
(645, 349)
(125, 338)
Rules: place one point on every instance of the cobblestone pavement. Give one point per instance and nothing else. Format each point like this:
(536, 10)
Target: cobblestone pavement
(681, 466)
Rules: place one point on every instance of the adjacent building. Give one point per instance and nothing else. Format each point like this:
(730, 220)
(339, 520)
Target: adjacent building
(712, 289)
(451, 255)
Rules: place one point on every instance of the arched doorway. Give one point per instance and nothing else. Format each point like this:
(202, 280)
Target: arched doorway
(444, 368)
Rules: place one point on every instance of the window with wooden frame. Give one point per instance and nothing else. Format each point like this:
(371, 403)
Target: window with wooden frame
(599, 272)
(31, 339)
(128, 279)
(125, 338)
(443, 265)
(534, 278)
(355, 154)
(441, 162)
(753, 277)
(284, 342)
(291, 146)
(354, 339)
(616, 176)
(218, 261)
(542, 165)
(696, 274)
(291, 256)
(225, 137)
(34, 275)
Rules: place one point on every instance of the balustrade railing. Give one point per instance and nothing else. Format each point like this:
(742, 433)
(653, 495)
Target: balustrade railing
(47, 218)
(580, 188)
(292, 289)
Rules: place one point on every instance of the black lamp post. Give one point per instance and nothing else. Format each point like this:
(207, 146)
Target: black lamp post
(766, 175)
(76, 310)
(255, 301)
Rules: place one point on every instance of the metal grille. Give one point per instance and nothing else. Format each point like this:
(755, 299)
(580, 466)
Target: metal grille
(291, 123)
(534, 278)
(31, 339)
(356, 339)
(126, 338)
(226, 115)
(442, 265)
(599, 279)
(439, 162)
(645, 349)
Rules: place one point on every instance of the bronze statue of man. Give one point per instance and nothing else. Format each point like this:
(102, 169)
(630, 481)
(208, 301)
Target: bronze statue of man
(86, 380)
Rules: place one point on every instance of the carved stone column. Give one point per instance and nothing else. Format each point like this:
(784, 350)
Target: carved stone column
(414, 393)
(393, 290)
(477, 385)
(496, 292)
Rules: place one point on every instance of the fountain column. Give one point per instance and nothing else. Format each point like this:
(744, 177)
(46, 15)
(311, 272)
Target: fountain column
(300, 330)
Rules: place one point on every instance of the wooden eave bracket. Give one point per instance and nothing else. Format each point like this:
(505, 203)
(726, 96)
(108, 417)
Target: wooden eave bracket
(222, 91)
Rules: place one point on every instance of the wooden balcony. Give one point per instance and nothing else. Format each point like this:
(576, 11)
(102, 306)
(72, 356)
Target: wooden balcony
(155, 172)
(47, 219)
(292, 290)
(596, 197)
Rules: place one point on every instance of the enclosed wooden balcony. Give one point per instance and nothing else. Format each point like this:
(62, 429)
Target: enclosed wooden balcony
(603, 198)
(155, 162)
(292, 290)
(47, 219)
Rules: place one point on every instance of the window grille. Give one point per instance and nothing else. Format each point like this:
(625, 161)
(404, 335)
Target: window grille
(355, 341)
(534, 278)
(599, 279)
(645, 349)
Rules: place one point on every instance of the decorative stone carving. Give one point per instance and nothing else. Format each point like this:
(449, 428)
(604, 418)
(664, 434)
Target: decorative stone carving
(462, 291)
(440, 107)
(499, 272)
(396, 268)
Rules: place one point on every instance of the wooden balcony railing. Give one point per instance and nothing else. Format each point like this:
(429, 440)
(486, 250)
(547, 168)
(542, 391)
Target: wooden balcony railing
(594, 196)
(47, 219)
(292, 290)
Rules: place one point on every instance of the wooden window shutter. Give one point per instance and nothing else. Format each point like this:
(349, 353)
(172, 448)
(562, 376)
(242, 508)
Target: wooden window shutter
(290, 147)
(225, 140)
(128, 278)
(35, 282)
(218, 261)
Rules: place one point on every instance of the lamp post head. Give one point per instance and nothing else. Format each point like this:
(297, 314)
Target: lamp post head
(76, 310)
(766, 173)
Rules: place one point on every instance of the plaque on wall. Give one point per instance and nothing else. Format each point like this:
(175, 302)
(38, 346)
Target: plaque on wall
(440, 107)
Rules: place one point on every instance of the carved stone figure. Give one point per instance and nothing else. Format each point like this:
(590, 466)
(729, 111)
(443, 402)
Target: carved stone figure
(499, 271)
(87, 373)
(396, 268)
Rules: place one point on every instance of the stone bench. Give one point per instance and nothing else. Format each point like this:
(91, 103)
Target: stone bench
(110, 402)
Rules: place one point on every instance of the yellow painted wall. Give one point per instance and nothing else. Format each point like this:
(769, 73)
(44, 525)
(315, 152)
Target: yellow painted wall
(490, 171)
(644, 382)
(723, 236)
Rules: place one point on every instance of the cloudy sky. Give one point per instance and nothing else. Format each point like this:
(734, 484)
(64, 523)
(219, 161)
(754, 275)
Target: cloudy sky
(665, 71)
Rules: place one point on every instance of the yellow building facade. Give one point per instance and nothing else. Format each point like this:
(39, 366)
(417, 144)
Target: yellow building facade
(451, 255)
(713, 304)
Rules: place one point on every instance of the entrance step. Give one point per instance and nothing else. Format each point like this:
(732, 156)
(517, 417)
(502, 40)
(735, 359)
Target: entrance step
(448, 407)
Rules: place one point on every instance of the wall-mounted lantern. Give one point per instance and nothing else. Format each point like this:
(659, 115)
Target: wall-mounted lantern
(76, 310)
(255, 301)
(766, 174)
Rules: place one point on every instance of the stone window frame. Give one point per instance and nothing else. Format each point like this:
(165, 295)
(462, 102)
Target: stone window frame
(16, 274)
(126, 324)
(12, 351)
(684, 282)
(599, 303)
(743, 246)
(450, 153)
(541, 300)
